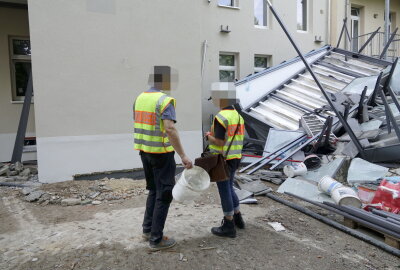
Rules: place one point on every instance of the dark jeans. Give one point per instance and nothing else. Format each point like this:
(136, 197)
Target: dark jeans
(229, 199)
(159, 170)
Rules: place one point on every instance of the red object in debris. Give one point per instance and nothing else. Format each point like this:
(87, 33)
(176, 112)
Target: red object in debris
(388, 196)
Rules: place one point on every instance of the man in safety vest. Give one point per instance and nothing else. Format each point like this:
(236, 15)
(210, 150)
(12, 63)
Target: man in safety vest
(227, 132)
(157, 140)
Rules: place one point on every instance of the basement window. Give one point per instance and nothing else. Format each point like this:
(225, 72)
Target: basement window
(20, 65)
(227, 67)
(302, 15)
(261, 62)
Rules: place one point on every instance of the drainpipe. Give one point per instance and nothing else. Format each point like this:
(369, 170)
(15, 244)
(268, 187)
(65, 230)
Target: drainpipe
(346, 12)
(387, 14)
(328, 32)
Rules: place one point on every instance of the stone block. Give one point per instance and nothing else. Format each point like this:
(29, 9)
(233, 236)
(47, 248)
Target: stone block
(34, 196)
(70, 201)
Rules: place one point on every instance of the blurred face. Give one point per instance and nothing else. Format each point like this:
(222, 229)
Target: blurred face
(223, 94)
(164, 78)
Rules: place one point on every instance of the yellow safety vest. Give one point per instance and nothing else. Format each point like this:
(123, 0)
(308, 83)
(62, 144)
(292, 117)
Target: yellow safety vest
(229, 119)
(150, 136)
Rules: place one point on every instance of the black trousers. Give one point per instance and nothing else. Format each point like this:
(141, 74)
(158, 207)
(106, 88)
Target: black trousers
(159, 170)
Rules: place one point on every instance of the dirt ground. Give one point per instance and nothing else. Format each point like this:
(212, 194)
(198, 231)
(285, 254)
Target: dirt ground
(108, 236)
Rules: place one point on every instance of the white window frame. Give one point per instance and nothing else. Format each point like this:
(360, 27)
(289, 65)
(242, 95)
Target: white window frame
(234, 4)
(259, 69)
(229, 68)
(13, 59)
(307, 16)
(267, 19)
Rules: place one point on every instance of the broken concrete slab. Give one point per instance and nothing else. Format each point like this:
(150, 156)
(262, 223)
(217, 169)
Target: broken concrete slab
(331, 169)
(304, 188)
(242, 194)
(94, 194)
(4, 170)
(351, 150)
(26, 172)
(362, 171)
(27, 190)
(254, 186)
(249, 201)
(34, 196)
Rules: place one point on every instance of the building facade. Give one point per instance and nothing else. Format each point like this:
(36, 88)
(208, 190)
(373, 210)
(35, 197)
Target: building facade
(91, 58)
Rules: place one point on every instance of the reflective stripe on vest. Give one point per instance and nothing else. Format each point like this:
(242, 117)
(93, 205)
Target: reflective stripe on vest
(229, 119)
(149, 134)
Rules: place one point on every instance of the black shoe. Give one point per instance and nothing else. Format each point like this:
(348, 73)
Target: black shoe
(238, 220)
(227, 229)
(165, 243)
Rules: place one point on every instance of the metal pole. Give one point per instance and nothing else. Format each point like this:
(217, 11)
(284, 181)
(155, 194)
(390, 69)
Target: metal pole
(383, 55)
(341, 119)
(369, 40)
(341, 33)
(387, 26)
(23, 122)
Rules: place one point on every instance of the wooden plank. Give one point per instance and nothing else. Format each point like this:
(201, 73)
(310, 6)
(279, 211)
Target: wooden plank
(393, 242)
(350, 223)
(389, 240)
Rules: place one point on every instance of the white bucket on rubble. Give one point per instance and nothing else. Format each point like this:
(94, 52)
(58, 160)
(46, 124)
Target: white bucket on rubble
(190, 184)
(327, 184)
(293, 170)
(346, 196)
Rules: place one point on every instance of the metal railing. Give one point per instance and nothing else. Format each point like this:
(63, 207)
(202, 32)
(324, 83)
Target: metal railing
(376, 45)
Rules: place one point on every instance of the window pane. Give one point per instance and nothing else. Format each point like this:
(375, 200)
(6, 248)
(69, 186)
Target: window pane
(226, 76)
(21, 47)
(302, 15)
(226, 60)
(355, 11)
(22, 71)
(226, 2)
(260, 62)
(260, 12)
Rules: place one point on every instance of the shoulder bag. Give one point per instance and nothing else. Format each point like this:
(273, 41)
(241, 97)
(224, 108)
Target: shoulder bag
(215, 164)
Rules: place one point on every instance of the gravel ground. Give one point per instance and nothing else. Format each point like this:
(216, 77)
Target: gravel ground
(108, 236)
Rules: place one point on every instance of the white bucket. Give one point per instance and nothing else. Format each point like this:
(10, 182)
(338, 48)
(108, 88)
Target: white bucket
(190, 184)
(346, 196)
(293, 170)
(328, 184)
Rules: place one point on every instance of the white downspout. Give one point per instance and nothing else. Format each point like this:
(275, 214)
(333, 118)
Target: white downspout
(328, 39)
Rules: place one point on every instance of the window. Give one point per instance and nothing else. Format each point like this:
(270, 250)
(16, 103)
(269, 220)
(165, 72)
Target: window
(20, 64)
(302, 15)
(260, 12)
(261, 62)
(355, 27)
(227, 68)
(228, 3)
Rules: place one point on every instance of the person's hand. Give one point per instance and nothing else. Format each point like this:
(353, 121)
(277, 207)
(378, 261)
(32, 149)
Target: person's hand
(207, 134)
(187, 163)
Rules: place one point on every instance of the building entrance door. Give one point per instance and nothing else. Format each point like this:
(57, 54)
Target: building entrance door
(355, 28)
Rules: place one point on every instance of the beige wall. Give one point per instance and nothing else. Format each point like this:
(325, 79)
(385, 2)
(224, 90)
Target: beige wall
(90, 64)
(92, 58)
(13, 22)
(371, 7)
(107, 55)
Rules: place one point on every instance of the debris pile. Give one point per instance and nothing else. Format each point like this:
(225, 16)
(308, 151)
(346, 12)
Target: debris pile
(332, 125)
(84, 192)
(17, 172)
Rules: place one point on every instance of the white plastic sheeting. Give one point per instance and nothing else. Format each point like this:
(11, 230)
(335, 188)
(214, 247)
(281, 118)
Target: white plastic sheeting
(395, 81)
